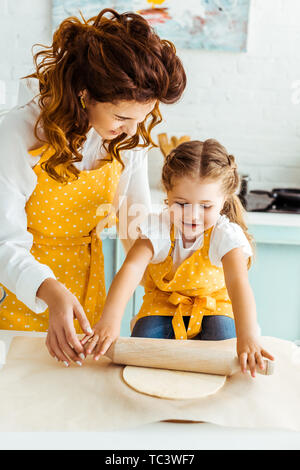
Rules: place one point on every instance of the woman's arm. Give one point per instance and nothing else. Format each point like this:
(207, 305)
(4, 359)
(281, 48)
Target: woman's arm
(122, 288)
(244, 309)
(20, 272)
(32, 282)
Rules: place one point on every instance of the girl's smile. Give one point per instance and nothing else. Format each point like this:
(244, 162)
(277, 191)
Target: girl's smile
(192, 225)
(195, 205)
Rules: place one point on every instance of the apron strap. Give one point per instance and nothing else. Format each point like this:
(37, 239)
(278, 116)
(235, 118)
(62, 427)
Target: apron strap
(97, 259)
(43, 150)
(172, 239)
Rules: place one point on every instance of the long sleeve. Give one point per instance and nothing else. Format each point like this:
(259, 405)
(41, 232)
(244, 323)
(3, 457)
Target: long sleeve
(133, 197)
(20, 272)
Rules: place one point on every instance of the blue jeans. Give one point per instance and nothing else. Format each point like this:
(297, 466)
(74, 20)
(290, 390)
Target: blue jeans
(214, 327)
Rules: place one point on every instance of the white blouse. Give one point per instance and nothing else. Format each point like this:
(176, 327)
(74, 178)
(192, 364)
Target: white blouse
(20, 272)
(225, 237)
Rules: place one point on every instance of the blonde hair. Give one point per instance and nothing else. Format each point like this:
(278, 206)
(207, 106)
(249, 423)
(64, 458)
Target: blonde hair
(208, 159)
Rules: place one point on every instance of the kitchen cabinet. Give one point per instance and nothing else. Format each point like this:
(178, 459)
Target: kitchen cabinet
(274, 276)
(275, 279)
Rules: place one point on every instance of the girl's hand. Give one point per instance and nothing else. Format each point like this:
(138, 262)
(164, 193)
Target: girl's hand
(105, 333)
(62, 341)
(251, 353)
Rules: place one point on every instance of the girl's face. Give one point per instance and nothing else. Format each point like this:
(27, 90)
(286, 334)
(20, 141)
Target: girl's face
(111, 120)
(195, 205)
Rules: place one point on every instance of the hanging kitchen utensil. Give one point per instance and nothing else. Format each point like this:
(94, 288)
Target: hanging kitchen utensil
(166, 145)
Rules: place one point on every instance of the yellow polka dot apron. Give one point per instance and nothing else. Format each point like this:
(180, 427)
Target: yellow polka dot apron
(197, 288)
(62, 219)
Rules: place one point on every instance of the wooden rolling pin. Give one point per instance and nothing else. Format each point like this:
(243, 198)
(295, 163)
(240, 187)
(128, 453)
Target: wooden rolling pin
(210, 357)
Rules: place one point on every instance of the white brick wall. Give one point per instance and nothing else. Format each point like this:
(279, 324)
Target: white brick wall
(22, 24)
(246, 100)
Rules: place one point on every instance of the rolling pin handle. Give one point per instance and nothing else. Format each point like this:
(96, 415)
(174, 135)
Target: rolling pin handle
(268, 369)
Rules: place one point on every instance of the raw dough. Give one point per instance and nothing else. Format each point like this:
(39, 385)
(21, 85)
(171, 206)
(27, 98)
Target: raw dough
(172, 384)
(39, 394)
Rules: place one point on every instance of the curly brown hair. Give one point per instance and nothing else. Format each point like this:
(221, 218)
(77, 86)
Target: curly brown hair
(114, 59)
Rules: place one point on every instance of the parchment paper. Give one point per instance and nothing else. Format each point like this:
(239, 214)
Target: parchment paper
(39, 394)
(2, 353)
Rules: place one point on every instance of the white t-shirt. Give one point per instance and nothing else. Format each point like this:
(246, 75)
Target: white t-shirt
(225, 237)
(20, 272)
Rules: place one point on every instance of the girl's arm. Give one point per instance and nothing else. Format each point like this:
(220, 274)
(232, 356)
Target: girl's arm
(244, 309)
(122, 288)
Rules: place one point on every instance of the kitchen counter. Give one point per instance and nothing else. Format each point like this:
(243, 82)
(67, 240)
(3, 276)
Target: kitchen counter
(160, 436)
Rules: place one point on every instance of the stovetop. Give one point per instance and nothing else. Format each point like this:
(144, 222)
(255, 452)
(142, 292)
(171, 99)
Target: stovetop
(278, 200)
(280, 209)
(271, 201)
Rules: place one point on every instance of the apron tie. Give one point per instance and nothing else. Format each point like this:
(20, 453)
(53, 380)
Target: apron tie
(96, 261)
(200, 307)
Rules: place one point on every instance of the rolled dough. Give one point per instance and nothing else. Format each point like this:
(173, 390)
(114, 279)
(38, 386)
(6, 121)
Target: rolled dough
(172, 384)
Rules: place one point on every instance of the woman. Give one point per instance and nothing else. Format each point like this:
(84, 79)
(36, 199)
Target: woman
(79, 145)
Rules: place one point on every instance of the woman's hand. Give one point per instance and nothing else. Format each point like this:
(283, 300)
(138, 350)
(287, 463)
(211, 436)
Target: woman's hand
(251, 353)
(122, 288)
(105, 333)
(62, 341)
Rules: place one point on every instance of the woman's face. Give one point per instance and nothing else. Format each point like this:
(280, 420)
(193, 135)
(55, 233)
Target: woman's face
(195, 205)
(111, 120)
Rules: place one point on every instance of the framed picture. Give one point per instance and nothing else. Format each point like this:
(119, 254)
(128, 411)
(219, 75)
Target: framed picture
(193, 24)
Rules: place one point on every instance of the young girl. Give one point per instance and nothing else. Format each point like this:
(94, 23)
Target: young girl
(197, 254)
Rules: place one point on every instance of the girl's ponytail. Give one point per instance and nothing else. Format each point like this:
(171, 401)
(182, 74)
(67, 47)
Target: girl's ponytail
(234, 210)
